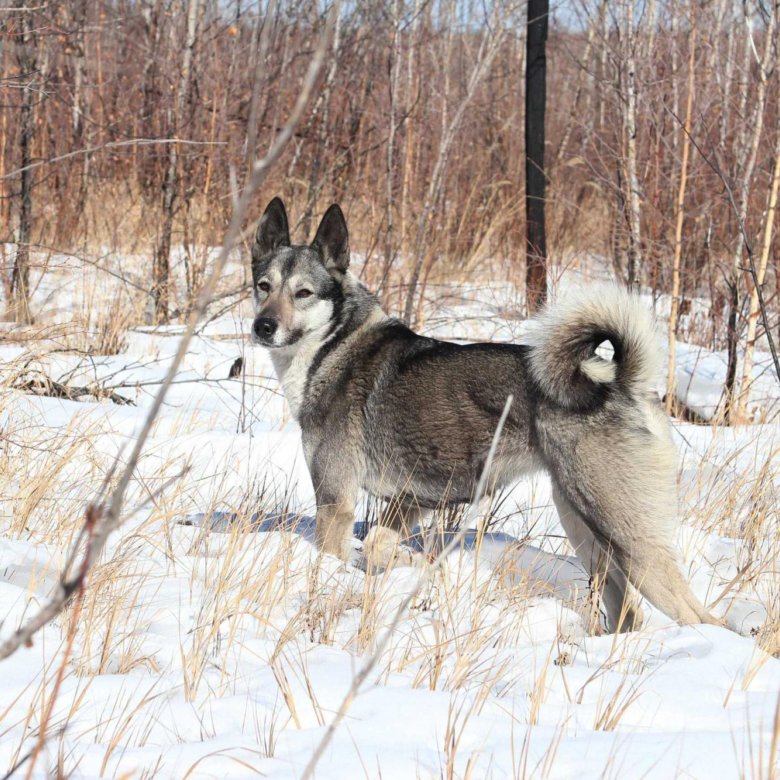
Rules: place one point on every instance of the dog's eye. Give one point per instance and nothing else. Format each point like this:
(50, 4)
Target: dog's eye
(303, 293)
(264, 287)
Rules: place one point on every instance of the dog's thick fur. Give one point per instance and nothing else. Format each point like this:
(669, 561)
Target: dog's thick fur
(410, 419)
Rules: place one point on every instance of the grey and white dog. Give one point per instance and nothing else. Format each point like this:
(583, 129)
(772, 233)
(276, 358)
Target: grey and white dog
(410, 419)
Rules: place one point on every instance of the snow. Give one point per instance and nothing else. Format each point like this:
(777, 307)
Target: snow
(224, 648)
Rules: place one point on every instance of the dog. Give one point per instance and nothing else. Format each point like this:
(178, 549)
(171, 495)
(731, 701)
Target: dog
(410, 419)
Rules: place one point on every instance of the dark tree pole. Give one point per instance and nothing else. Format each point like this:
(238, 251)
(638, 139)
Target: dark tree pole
(27, 60)
(535, 97)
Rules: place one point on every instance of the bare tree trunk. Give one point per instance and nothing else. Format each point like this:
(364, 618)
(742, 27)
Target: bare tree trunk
(535, 181)
(78, 105)
(584, 67)
(78, 60)
(395, 74)
(415, 42)
(151, 12)
(747, 153)
(257, 67)
(161, 281)
(5, 202)
(728, 77)
(752, 322)
(671, 385)
(446, 22)
(651, 12)
(634, 255)
(321, 113)
(675, 11)
(604, 24)
(27, 62)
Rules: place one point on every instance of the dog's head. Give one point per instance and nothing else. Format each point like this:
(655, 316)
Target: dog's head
(297, 289)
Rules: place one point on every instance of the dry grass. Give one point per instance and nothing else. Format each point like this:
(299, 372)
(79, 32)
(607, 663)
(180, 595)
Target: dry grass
(245, 604)
(457, 637)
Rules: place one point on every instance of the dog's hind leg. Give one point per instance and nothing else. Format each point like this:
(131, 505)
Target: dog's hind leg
(639, 538)
(619, 597)
(653, 569)
(655, 572)
(618, 469)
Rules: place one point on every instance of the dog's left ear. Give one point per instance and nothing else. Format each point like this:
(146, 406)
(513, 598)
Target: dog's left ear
(332, 240)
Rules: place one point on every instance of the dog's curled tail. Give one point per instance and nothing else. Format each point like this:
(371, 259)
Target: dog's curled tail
(563, 358)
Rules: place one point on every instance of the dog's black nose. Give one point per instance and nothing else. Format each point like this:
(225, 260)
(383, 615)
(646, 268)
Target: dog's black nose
(264, 327)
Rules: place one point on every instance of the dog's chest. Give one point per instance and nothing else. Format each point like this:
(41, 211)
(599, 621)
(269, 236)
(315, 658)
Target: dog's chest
(295, 374)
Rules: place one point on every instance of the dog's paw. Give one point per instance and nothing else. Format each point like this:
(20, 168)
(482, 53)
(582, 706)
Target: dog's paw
(382, 550)
(380, 546)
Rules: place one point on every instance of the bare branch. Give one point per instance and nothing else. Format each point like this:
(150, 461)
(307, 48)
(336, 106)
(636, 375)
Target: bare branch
(109, 145)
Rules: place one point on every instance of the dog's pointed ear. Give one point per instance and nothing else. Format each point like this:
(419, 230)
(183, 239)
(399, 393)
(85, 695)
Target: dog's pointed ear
(332, 240)
(273, 230)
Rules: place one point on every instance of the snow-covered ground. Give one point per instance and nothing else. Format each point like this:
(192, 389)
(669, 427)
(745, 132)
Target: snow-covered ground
(200, 652)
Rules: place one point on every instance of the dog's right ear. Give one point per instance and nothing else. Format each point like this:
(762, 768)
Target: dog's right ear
(272, 232)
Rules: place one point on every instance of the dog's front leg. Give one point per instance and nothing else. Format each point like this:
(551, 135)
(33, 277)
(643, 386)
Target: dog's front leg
(336, 478)
(335, 519)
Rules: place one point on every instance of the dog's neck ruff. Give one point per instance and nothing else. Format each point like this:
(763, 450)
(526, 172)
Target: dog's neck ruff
(293, 365)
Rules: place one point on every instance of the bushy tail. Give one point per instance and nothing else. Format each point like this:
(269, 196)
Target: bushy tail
(563, 345)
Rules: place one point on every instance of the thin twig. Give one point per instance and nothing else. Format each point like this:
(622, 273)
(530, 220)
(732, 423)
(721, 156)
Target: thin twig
(109, 145)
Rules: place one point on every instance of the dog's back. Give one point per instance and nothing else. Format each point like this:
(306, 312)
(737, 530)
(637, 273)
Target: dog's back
(423, 413)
